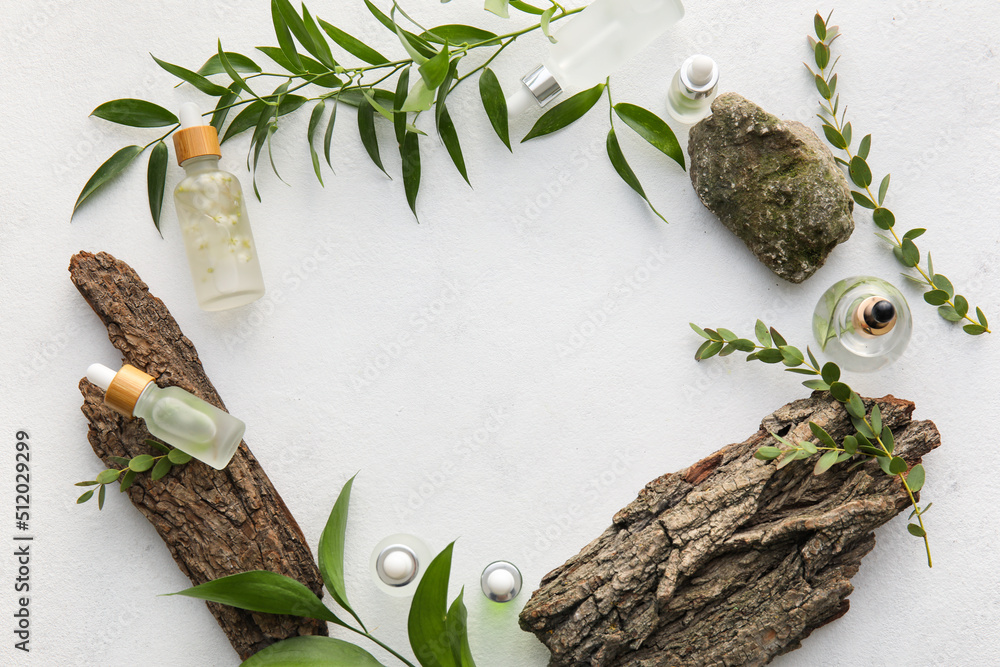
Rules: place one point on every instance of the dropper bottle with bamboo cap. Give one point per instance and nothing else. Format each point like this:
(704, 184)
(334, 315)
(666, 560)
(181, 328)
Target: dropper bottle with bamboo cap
(177, 417)
(213, 217)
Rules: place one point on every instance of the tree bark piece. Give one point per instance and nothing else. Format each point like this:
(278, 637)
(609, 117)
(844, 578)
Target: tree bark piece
(214, 522)
(730, 561)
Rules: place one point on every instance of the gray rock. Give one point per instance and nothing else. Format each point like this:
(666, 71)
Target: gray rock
(773, 183)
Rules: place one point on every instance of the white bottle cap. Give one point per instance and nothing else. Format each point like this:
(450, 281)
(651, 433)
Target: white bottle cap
(190, 115)
(399, 565)
(101, 375)
(700, 70)
(500, 582)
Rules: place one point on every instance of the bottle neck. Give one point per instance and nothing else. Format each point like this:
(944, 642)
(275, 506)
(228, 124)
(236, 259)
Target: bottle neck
(201, 163)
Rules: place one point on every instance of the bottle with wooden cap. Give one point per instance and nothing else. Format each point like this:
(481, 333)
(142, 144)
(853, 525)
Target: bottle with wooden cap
(213, 218)
(862, 323)
(177, 417)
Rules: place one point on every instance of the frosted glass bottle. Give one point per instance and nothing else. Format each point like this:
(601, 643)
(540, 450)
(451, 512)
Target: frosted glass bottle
(593, 44)
(214, 222)
(177, 417)
(692, 90)
(862, 323)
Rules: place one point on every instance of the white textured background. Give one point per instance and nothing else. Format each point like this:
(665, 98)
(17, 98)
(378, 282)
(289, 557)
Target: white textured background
(547, 236)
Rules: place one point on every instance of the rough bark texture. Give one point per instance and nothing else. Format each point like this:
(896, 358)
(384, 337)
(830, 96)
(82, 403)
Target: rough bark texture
(215, 522)
(730, 561)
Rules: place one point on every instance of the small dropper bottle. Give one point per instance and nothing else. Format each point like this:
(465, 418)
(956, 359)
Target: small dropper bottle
(177, 417)
(862, 323)
(214, 222)
(692, 90)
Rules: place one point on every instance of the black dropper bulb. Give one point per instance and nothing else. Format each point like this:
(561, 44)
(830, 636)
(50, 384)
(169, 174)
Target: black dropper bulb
(882, 313)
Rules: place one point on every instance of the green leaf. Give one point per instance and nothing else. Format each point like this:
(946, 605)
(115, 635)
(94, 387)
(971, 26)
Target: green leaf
(727, 335)
(544, 23)
(922, 512)
(777, 338)
(855, 407)
(911, 255)
(825, 461)
(320, 48)
(698, 330)
(460, 34)
(882, 189)
(285, 38)
(566, 112)
(876, 419)
(830, 372)
(727, 350)
(328, 137)
(223, 106)
(495, 104)
(419, 44)
(314, 118)
(307, 66)
(178, 457)
(833, 135)
(817, 385)
(974, 329)
(897, 465)
(883, 463)
(108, 476)
(231, 71)
(763, 337)
(981, 316)
(244, 120)
(113, 166)
(823, 88)
(420, 97)
(883, 217)
(861, 173)
(263, 591)
(949, 313)
(352, 45)
(366, 128)
(135, 113)
(498, 7)
(936, 297)
(707, 350)
(863, 428)
(458, 632)
(792, 355)
(161, 468)
(195, 79)
(622, 167)
(85, 497)
(156, 180)
(398, 102)
(237, 61)
(820, 25)
(808, 447)
(822, 435)
(427, 623)
(767, 453)
(446, 126)
(127, 479)
(915, 478)
(744, 345)
(916, 530)
(840, 391)
(295, 24)
(915, 233)
(312, 651)
(410, 154)
(851, 444)
(961, 305)
(887, 439)
(822, 53)
(100, 497)
(87, 483)
(434, 70)
(331, 549)
(653, 129)
(862, 200)
(942, 283)
(847, 133)
(865, 147)
(770, 356)
(155, 444)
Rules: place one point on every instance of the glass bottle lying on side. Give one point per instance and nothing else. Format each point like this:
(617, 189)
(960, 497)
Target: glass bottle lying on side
(177, 417)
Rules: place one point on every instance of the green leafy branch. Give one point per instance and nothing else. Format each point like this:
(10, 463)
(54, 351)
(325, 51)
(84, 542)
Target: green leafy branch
(438, 633)
(159, 465)
(872, 438)
(424, 80)
(938, 289)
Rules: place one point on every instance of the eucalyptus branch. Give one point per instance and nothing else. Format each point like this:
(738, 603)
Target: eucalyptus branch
(159, 465)
(872, 439)
(939, 290)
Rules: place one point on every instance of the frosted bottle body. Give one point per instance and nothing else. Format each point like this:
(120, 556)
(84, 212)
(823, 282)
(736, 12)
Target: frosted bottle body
(190, 424)
(216, 230)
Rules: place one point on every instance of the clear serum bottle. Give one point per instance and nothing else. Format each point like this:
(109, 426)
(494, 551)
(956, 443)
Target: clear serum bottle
(692, 90)
(592, 45)
(213, 218)
(862, 323)
(177, 417)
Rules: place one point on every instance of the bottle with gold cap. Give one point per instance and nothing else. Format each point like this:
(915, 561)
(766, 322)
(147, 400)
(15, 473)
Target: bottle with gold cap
(177, 417)
(862, 323)
(213, 218)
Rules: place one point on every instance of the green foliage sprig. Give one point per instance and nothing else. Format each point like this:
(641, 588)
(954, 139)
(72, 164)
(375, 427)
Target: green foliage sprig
(158, 465)
(938, 289)
(424, 80)
(872, 439)
(438, 633)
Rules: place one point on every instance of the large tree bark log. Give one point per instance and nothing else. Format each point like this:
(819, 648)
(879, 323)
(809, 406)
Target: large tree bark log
(730, 561)
(214, 522)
